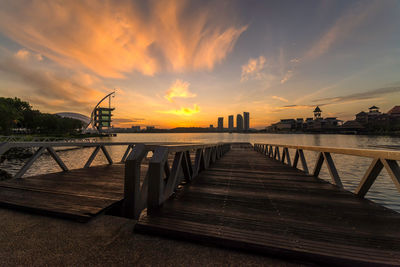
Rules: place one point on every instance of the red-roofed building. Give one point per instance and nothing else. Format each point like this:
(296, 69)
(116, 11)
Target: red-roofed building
(394, 112)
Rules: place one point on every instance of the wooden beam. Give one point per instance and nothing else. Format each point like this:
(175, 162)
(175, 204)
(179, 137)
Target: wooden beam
(303, 161)
(197, 161)
(318, 164)
(29, 163)
(394, 171)
(296, 159)
(173, 179)
(369, 177)
(332, 170)
(187, 166)
(277, 153)
(92, 156)
(108, 157)
(283, 155)
(288, 157)
(57, 159)
(128, 149)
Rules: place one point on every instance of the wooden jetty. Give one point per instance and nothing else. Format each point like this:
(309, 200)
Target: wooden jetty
(238, 196)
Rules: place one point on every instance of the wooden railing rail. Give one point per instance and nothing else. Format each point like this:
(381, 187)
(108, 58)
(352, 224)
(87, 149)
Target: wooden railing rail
(162, 177)
(42, 147)
(380, 159)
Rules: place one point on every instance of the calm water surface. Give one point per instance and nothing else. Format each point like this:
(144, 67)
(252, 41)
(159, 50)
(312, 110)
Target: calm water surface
(350, 168)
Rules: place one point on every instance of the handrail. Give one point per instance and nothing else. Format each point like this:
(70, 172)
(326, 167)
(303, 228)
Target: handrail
(380, 159)
(163, 177)
(369, 153)
(49, 147)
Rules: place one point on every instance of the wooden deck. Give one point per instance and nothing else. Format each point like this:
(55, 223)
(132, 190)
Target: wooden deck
(76, 194)
(248, 201)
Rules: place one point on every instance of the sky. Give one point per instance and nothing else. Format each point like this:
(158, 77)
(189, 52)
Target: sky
(185, 63)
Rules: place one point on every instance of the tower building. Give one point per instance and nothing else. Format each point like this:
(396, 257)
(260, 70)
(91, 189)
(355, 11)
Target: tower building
(246, 116)
(239, 123)
(220, 124)
(230, 122)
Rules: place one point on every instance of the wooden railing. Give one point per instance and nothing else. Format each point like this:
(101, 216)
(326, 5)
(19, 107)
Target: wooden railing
(163, 176)
(49, 147)
(380, 159)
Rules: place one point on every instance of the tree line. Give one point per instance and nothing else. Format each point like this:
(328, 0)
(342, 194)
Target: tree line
(18, 114)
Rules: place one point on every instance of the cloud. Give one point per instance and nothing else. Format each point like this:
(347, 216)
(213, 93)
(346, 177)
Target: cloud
(253, 69)
(184, 111)
(294, 60)
(342, 28)
(112, 39)
(280, 98)
(361, 96)
(49, 89)
(179, 89)
(287, 76)
(24, 54)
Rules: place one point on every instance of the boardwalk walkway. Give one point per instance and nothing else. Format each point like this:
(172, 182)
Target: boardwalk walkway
(251, 202)
(77, 194)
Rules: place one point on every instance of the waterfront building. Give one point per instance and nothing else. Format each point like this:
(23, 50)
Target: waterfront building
(220, 124)
(102, 118)
(239, 123)
(394, 112)
(299, 124)
(230, 122)
(246, 117)
(317, 113)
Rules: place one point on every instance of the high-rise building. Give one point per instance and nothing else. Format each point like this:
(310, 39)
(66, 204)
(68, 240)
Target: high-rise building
(220, 124)
(239, 123)
(246, 116)
(230, 122)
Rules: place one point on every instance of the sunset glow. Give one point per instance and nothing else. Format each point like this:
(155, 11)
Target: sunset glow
(182, 62)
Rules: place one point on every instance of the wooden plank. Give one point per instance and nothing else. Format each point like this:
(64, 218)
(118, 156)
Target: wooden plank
(76, 194)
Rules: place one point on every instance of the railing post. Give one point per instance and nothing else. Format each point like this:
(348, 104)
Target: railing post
(156, 181)
(132, 206)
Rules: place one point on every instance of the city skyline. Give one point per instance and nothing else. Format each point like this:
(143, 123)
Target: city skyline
(179, 63)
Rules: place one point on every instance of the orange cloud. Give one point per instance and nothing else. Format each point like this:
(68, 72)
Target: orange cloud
(179, 89)
(25, 54)
(280, 98)
(253, 69)
(112, 39)
(184, 111)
